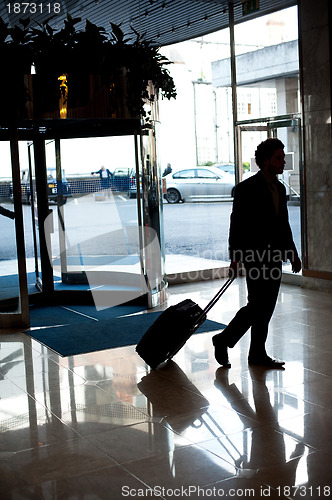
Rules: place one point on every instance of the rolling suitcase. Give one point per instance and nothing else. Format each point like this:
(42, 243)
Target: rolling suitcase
(171, 330)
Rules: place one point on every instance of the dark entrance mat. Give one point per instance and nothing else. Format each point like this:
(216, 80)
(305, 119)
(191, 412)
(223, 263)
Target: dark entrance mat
(90, 335)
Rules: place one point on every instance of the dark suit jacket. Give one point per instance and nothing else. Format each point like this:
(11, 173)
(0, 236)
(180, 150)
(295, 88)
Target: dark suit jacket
(256, 229)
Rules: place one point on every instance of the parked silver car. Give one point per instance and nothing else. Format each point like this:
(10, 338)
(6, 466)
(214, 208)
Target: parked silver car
(200, 183)
(226, 167)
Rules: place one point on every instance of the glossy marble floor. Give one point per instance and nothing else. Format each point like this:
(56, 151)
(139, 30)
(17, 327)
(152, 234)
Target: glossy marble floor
(101, 426)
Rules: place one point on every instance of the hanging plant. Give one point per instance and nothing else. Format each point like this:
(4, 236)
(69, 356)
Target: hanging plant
(89, 71)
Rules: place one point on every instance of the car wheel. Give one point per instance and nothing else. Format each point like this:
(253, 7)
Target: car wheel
(173, 195)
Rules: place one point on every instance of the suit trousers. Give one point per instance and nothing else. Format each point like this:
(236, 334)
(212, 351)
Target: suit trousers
(263, 284)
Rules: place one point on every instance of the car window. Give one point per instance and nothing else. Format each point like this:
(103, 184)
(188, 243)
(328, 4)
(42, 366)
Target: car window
(225, 168)
(222, 173)
(207, 174)
(119, 172)
(51, 174)
(184, 174)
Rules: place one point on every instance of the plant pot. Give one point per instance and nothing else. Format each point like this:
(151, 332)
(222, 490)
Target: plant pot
(85, 96)
(44, 95)
(15, 63)
(97, 96)
(14, 98)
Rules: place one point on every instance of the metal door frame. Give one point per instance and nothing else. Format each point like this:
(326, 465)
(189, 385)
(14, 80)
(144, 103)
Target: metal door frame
(19, 318)
(270, 125)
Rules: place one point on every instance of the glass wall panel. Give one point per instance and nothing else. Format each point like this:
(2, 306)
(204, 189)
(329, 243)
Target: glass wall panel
(267, 66)
(196, 131)
(30, 214)
(267, 77)
(267, 73)
(197, 128)
(93, 221)
(15, 222)
(9, 281)
(289, 132)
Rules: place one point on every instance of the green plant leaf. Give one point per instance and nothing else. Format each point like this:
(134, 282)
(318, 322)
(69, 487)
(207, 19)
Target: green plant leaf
(49, 30)
(118, 33)
(4, 30)
(25, 22)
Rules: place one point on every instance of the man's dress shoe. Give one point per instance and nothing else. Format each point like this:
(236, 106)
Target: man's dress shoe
(265, 361)
(220, 351)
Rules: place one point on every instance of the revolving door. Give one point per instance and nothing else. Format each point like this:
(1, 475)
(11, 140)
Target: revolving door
(90, 240)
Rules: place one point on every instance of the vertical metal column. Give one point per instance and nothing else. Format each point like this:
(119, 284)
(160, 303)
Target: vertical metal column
(43, 212)
(32, 207)
(21, 317)
(238, 168)
(153, 217)
(60, 209)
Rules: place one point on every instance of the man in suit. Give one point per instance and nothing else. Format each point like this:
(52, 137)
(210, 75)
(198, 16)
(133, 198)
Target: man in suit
(261, 239)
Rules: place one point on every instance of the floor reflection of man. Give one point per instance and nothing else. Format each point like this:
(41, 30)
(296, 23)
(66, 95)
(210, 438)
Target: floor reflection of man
(267, 444)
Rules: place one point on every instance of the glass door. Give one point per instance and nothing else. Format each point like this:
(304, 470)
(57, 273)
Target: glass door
(288, 130)
(14, 304)
(88, 217)
(247, 138)
(99, 238)
(30, 213)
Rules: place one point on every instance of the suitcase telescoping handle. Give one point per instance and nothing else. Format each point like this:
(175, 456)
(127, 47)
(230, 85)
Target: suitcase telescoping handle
(202, 317)
(217, 296)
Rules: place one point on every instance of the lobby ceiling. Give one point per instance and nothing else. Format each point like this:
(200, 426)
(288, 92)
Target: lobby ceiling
(162, 21)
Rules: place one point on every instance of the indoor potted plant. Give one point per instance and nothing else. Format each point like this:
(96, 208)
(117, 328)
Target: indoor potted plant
(90, 72)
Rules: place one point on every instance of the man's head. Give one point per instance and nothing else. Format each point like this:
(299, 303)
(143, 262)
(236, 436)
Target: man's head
(269, 155)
